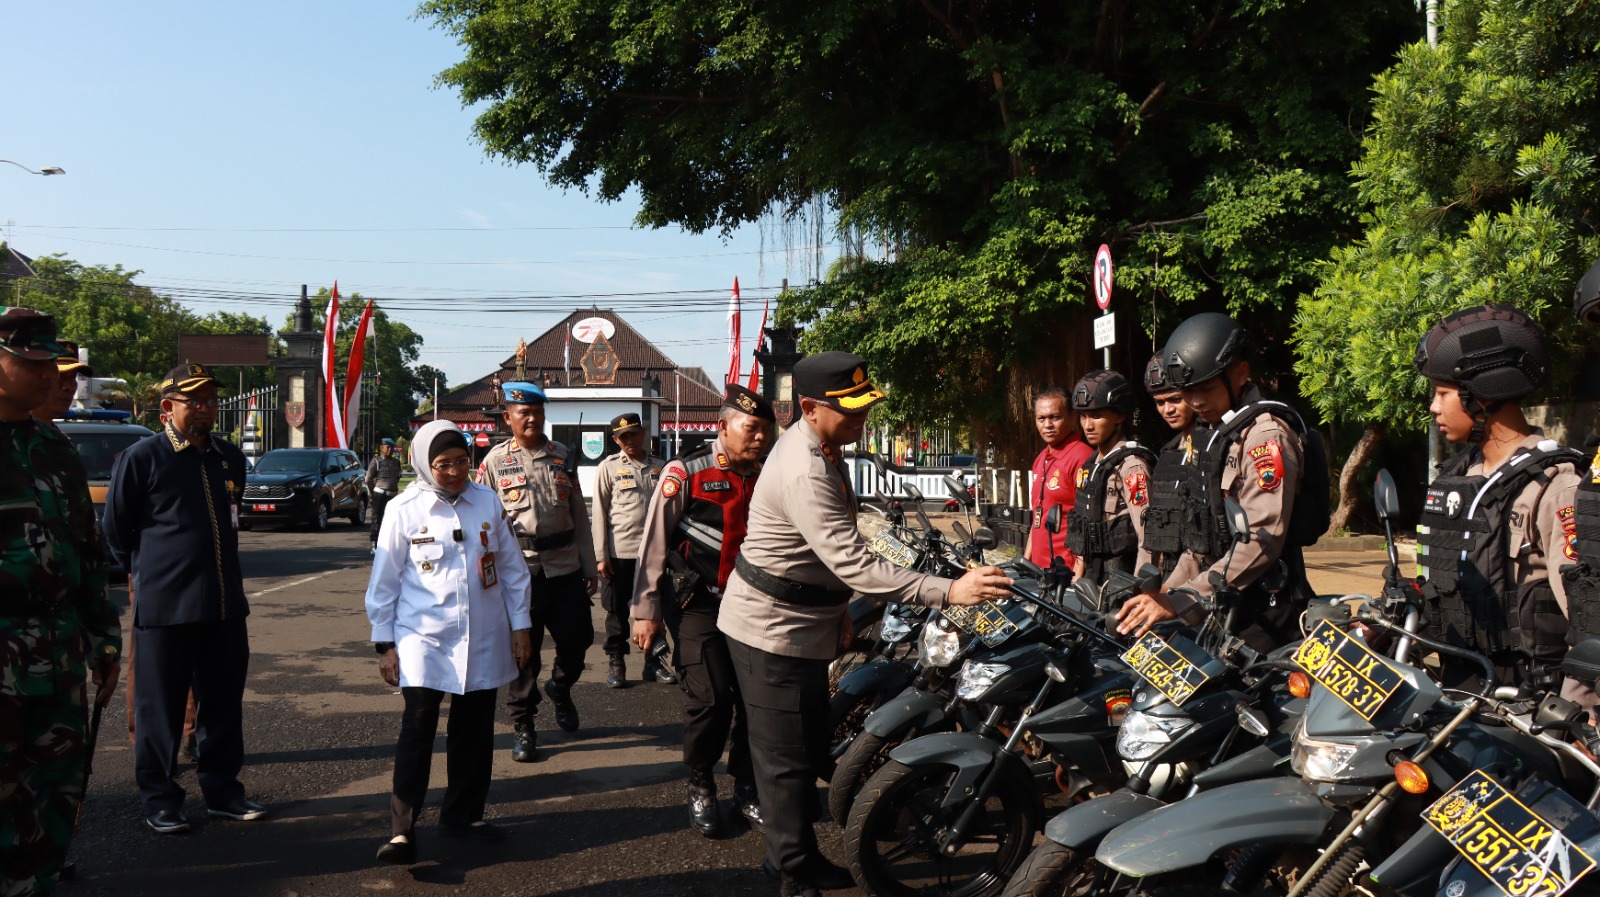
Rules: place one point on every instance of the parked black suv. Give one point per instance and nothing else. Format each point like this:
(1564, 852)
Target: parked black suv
(305, 486)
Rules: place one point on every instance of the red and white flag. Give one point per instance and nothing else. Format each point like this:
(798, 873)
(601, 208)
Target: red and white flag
(733, 334)
(352, 376)
(755, 368)
(333, 427)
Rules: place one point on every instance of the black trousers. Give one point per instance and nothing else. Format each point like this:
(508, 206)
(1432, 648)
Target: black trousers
(379, 502)
(561, 607)
(213, 658)
(787, 698)
(469, 757)
(714, 709)
(615, 595)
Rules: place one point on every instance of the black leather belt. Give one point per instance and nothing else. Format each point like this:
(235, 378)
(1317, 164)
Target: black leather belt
(545, 543)
(787, 589)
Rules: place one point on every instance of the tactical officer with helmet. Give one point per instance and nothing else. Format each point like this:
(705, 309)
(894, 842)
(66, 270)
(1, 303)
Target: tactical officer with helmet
(1499, 521)
(1174, 476)
(1257, 454)
(1106, 524)
(383, 481)
(532, 475)
(1581, 578)
(692, 534)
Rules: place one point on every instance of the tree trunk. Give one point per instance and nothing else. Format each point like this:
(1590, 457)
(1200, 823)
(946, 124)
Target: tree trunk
(1371, 435)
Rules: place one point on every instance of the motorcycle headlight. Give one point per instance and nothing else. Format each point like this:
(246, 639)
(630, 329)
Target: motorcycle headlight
(1142, 734)
(941, 643)
(1320, 761)
(894, 629)
(977, 678)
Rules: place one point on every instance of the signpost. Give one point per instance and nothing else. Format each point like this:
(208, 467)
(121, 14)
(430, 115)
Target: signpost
(1105, 326)
(481, 440)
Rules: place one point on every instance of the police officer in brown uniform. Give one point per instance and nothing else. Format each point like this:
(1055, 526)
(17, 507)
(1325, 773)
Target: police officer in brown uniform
(529, 472)
(784, 611)
(1106, 526)
(1174, 473)
(1255, 455)
(695, 529)
(623, 485)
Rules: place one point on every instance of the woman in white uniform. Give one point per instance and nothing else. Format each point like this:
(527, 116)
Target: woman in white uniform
(448, 601)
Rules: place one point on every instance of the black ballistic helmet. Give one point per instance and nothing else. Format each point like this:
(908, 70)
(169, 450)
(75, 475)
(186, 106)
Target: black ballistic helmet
(1586, 298)
(1492, 352)
(1156, 381)
(1103, 389)
(1202, 348)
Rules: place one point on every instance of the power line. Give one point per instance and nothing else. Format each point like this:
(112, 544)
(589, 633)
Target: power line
(325, 230)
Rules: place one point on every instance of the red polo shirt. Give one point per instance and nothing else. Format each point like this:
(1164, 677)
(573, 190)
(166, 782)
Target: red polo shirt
(1055, 482)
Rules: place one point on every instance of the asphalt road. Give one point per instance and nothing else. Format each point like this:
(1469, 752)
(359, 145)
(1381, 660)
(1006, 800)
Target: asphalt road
(601, 814)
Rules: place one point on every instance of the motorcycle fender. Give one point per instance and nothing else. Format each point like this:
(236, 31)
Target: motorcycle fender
(1082, 826)
(879, 675)
(1414, 866)
(972, 755)
(866, 610)
(912, 709)
(1188, 833)
(1259, 762)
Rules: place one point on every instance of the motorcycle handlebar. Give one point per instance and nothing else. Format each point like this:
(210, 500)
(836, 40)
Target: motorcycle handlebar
(1441, 647)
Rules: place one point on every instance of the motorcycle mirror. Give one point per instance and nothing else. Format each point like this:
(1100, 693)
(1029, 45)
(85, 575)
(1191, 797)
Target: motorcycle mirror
(958, 489)
(1583, 661)
(878, 463)
(1385, 497)
(912, 492)
(1149, 577)
(985, 538)
(1087, 593)
(1252, 720)
(1238, 523)
(1054, 672)
(961, 531)
(1052, 519)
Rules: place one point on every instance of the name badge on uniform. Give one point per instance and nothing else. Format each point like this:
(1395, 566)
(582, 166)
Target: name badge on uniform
(717, 486)
(627, 484)
(486, 570)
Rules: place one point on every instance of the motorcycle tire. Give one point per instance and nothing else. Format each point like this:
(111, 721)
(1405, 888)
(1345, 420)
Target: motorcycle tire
(846, 714)
(891, 839)
(1052, 870)
(864, 757)
(860, 654)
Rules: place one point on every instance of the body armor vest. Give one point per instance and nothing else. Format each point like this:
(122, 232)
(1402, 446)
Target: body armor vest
(1582, 579)
(1090, 536)
(1473, 600)
(1207, 531)
(1170, 485)
(720, 499)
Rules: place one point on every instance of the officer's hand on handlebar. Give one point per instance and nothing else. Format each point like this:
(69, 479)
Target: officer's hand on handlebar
(1142, 612)
(980, 585)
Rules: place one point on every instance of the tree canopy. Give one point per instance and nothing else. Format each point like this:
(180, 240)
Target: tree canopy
(980, 150)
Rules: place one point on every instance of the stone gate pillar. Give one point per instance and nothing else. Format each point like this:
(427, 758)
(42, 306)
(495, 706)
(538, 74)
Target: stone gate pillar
(300, 379)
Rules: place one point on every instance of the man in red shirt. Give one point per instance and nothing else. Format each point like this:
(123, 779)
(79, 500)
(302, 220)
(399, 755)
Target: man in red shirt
(1055, 473)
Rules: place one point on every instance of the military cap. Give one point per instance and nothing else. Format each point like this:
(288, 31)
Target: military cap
(27, 333)
(622, 423)
(838, 379)
(68, 359)
(187, 378)
(743, 400)
(519, 392)
(387, 441)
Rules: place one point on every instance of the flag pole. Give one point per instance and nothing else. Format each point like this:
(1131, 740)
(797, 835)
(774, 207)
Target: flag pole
(677, 414)
(436, 398)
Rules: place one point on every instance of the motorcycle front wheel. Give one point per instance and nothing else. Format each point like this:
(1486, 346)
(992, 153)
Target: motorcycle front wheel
(1053, 870)
(893, 836)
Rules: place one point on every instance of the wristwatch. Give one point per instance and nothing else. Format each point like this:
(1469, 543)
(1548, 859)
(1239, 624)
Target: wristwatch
(382, 648)
(109, 653)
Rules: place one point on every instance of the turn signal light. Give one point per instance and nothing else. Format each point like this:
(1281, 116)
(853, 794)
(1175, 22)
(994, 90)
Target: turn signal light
(1300, 685)
(1411, 777)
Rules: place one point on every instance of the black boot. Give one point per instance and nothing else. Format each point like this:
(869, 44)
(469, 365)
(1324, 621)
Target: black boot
(617, 674)
(566, 711)
(748, 804)
(655, 672)
(704, 816)
(524, 743)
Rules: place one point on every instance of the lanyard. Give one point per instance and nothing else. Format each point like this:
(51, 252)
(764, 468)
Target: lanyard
(1044, 475)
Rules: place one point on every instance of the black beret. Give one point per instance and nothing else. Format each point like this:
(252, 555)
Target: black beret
(743, 400)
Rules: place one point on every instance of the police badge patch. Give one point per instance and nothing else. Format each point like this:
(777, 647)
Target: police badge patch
(1569, 527)
(1138, 489)
(670, 486)
(1268, 461)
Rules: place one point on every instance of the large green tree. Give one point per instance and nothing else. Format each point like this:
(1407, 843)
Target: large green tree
(977, 151)
(1478, 173)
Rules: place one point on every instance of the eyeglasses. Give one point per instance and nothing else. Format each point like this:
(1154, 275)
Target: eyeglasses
(445, 466)
(195, 403)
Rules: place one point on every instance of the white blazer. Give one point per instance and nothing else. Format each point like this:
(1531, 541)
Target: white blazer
(427, 596)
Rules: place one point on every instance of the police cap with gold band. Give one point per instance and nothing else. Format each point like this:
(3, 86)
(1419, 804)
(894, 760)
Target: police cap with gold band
(838, 379)
(743, 400)
(27, 333)
(187, 378)
(519, 392)
(68, 362)
(622, 423)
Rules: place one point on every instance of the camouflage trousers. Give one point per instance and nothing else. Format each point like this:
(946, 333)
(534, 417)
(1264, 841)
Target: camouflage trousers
(41, 785)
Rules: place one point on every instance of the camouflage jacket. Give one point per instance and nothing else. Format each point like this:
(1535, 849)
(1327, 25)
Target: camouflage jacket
(54, 610)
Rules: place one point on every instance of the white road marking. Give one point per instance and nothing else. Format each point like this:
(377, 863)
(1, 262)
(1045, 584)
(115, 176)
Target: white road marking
(300, 582)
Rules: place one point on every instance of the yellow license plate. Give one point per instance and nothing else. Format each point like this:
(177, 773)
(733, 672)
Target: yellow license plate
(1355, 674)
(1168, 667)
(892, 550)
(987, 622)
(1513, 846)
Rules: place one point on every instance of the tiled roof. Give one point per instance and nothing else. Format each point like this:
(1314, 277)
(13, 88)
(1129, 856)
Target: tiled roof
(14, 264)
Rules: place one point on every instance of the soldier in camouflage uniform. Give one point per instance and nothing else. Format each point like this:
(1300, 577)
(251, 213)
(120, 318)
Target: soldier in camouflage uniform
(56, 622)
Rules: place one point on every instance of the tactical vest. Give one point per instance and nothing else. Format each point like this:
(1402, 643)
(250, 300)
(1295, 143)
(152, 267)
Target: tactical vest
(719, 499)
(1582, 579)
(1089, 535)
(1170, 485)
(1471, 585)
(1207, 529)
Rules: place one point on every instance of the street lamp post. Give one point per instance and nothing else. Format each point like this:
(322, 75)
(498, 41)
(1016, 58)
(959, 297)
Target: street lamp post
(45, 171)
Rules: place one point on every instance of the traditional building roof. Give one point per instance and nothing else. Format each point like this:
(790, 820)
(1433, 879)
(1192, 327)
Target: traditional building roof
(14, 265)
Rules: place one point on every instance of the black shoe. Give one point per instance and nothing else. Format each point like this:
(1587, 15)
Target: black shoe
(817, 873)
(793, 887)
(524, 743)
(748, 804)
(566, 711)
(703, 815)
(655, 672)
(241, 809)
(191, 750)
(477, 831)
(167, 822)
(399, 850)
(617, 675)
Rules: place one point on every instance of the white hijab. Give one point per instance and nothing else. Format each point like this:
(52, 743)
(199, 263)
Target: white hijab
(421, 447)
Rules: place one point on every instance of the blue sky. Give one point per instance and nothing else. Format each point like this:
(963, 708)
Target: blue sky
(233, 151)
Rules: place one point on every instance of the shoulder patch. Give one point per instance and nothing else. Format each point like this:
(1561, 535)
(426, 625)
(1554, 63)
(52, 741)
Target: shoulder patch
(670, 486)
(1267, 459)
(1083, 476)
(1569, 530)
(1138, 488)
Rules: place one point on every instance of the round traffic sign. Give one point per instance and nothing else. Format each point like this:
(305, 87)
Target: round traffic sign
(1102, 277)
(481, 440)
